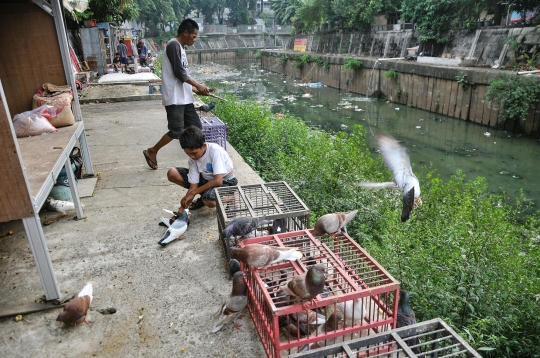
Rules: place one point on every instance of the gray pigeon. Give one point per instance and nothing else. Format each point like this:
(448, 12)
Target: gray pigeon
(307, 285)
(397, 160)
(257, 255)
(176, 229)
(243, 226)
(234, 304)
(333, 223)
(76, 309)
(234, 267)
(207, 107)
(406, 317)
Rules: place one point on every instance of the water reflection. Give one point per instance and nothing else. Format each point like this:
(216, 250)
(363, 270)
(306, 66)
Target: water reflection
(508, 162)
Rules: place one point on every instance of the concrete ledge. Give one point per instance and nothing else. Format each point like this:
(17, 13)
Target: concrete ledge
(146, 97)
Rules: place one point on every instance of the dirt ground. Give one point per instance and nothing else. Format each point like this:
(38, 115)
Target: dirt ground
(166, 299)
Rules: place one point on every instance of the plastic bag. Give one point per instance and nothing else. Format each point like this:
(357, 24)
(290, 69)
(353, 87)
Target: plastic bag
(34, 122)
(61, 101)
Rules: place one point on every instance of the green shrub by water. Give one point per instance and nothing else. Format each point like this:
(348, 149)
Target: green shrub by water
(465, 255)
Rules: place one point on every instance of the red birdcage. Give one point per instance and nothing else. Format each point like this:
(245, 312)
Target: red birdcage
(357, 287)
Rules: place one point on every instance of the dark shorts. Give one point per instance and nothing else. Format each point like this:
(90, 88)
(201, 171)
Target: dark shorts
(210, 194)
(124, 60)
(180, 116)
(142, 61)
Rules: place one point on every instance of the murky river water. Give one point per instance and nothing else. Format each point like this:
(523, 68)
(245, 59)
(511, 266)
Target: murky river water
(508, 162)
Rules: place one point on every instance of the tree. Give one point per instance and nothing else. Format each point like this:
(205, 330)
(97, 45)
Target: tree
(111, 10)
(157, 14)
(239, 14)
(360, 15)
(285, 10)
(432, 17)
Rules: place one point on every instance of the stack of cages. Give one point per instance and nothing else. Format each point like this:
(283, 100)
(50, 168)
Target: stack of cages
(274, 201)
(433, 338)
(215, 131)
(359, 298)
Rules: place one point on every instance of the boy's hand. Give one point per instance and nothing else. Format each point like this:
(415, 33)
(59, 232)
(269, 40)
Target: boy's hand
(186, 200)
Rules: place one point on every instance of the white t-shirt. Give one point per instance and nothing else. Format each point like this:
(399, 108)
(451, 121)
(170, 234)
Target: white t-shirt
(175, 73)
(214, 161)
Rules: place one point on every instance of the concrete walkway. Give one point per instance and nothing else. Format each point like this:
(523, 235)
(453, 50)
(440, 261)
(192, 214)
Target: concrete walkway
(124, 77)
(166, 299)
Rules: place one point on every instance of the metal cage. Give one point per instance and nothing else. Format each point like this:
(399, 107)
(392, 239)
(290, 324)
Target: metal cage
(215, 131)
(274, 201)
(353, 276)
(432, 338)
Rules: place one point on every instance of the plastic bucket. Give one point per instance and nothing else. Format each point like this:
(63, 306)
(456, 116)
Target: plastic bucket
(61, 190)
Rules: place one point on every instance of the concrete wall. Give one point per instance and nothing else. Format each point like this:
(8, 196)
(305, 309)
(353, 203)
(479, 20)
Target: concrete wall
(431, 88)
(222, 56)
(235, 41)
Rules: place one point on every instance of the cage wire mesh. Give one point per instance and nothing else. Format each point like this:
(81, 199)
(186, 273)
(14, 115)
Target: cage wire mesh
(358, 290)
(215, 131)
(433, 338)
(274, 201)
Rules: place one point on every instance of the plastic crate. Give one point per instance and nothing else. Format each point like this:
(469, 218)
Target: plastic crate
(352, 274)
(215, 131)
(436, 339)
(276, 201)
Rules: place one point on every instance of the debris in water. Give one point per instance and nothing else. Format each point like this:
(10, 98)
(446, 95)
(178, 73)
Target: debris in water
(418, 127)
(487, 134)
(397, 108)
(343, 126)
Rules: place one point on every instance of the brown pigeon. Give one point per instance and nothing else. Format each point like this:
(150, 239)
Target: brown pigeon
(330, 325)
(397, 160)
(257, 255)
(333, 223)
(307, 285)
(235, 303)
(75, 310)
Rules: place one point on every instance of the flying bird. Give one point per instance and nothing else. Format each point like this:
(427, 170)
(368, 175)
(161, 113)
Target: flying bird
(61, 206)
(234, 304)
(258, 255)
(333, 223)
(75, 310)
(397, 160)
(177, 228)
(243, 226)
(307, 285)
(406, 317)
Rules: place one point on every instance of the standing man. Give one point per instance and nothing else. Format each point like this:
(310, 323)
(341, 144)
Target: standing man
(177, 89)
(143, 53)
(122, 49)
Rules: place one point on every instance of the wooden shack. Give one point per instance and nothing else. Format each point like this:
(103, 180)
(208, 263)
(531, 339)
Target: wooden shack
(35, 51)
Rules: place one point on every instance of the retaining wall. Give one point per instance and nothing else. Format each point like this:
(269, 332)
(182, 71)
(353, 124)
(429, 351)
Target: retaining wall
(433, 88)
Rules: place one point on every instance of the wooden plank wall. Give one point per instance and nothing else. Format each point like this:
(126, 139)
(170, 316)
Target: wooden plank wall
(30, 56)
(15, 200)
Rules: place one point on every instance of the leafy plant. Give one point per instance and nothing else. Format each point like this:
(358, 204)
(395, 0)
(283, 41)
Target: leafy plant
(326, 65)
(530, 60)
(158, 64)
(398, 91)
(300, 61)
(461, 79)
(257, 55)
(391, 73)
(515, 93)
(241, 51)
(352, 63)
(318, 60)
(282, 59)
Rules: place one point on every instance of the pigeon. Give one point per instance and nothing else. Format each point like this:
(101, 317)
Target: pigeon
(242, 226)
(258, 255)
(309, 316)
(235, 303)
(292, 327)
(177, 228)
(255, 233)
(406, 317)
(61, 206)
(333, 223)
(397, 160)
(234, 266)
(279, 226)
(307, 285)
(331, 324)
(353, 310)
(75, 310)
(207, 107)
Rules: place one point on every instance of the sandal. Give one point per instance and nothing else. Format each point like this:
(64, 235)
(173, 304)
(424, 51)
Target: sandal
(196, 204)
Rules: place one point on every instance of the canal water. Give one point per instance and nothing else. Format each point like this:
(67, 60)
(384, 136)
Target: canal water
(508, 162)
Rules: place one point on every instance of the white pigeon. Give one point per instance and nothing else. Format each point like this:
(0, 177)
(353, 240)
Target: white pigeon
(397, 160)
(61, 206)
(177, 228)
(353, 310)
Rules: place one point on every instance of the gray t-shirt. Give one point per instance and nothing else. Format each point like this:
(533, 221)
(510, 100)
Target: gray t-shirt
(122, 49)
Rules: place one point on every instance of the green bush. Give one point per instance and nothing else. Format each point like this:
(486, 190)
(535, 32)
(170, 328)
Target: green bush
(515, 93)
(465, 255)
(257, 55)
(352, 64)
(282, 59)
(391, 73)
(462, 80)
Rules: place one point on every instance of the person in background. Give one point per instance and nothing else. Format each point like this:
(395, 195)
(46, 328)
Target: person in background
(177, 89)
(143, 53)
(122, 50)
(117, 63)
(209, 167)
